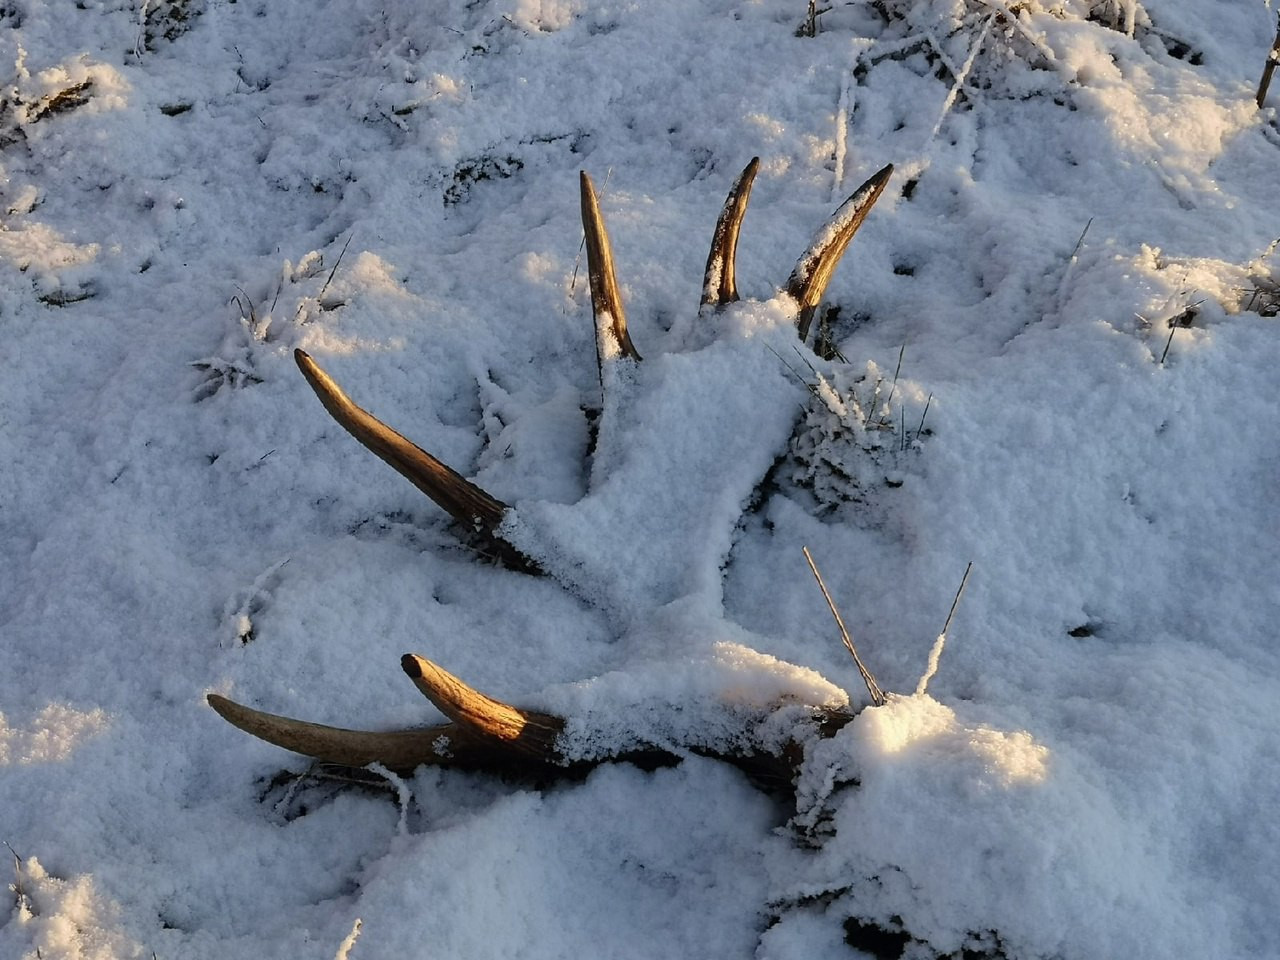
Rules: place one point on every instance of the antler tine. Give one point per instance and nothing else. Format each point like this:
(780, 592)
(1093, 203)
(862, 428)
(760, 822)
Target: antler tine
(459, 497)
(398, 750)
(813, 270)
(719, 284)
(520, 731)
(606, 302)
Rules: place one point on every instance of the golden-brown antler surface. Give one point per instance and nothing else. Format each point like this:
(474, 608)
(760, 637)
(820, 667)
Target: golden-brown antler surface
(484, 733)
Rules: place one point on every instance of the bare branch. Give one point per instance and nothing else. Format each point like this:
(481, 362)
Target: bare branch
(873, 688)
(719, 285)
(813, 270)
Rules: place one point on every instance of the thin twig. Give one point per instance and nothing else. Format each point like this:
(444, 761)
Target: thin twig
(1273, 57)
(1072, 260)
(1173, 326)
(872, 403)
(1183, 319)
(873, 688)
(336, 264)
(956, 602)
(17, 874)
(1076, 248)
(960, 76)
(795, 373)
(894, 387)
(920, 428)
(936, 652)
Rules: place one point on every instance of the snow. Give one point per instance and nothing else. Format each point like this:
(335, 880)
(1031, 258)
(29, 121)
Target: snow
(1072, 272)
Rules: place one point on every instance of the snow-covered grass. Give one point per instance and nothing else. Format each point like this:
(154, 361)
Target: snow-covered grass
(1073, 268)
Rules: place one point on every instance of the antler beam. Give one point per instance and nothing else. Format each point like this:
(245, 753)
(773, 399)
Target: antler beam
(484, 733)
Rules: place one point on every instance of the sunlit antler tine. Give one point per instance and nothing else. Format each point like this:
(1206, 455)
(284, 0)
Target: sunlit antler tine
(449, 489)
(719, 283)
(525, 731)
(606, 301)
(813, 270)
(398, 750)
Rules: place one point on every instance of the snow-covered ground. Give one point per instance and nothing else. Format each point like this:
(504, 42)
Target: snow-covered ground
(1060, 357)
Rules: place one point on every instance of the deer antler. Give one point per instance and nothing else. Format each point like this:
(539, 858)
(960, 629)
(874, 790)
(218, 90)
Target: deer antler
(612, 338)
(476, 510)
(719, 284)
(814, 268)
(484, 733)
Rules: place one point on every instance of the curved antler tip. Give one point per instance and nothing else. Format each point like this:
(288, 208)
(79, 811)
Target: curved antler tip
(411, 664)
(719, 282)
(228, 709)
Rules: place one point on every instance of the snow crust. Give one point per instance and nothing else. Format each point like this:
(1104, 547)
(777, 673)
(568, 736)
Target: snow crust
(1060, 340)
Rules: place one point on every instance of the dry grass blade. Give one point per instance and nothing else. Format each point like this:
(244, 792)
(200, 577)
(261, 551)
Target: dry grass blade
(17, 875)
(337, 263)
(813, 271)
(719, 282)
(606, 301)
(935, 654)
(877, 695)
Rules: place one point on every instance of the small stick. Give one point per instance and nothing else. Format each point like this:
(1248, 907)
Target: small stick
(1272, 59)
(17, 875)
(936, 653)
(1173, 326)
(896, 370)
(1071, 263)
(927, 401)
(337, 263)
(871, 405)
(1183, 319)
(877, 695)
(956, 602)
(1080, 242)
